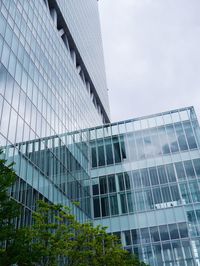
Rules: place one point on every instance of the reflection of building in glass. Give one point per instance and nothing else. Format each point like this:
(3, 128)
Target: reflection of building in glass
(139, 177)
(52, 81)
(145, 185)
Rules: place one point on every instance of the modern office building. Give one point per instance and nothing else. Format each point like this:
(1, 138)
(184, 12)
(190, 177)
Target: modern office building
(145, 176)
(52, 81)
(140, 178)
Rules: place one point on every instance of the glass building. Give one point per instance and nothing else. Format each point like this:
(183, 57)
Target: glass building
(52, 81)
(145, 176)
(139, 177)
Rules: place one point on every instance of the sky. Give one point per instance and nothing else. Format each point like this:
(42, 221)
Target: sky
(152, 55)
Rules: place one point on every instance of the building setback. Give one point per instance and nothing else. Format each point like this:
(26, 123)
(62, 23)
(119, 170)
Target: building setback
(138, 177)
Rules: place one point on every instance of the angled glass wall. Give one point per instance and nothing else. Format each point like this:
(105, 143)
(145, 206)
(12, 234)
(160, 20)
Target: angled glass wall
(47, 88)
(146, 185)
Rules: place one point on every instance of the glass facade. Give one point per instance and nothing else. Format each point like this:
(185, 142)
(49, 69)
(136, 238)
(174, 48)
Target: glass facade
(52, 81)
(146, 185)
(140, 177)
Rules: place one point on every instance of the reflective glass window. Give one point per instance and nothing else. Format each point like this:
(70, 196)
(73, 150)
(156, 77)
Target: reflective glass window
(164, 234)
(111, 183)
(153, 176)
(196, 163)
(183, 231)
(173, 231)
(189, 169)
(105, 210)
(103, 185)
(121, 182)
(114, 205)
(180, 170)
(123, 203)
(155, 237)
(96, 206)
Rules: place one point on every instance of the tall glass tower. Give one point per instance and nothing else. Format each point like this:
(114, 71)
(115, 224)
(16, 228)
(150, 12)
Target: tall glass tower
(52, 81)
(140, 178)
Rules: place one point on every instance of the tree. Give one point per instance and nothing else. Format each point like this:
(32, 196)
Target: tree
(9, 210)
(55, 238)
(57, 234)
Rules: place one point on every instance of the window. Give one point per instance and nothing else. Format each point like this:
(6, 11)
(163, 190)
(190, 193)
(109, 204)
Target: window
(114, 205)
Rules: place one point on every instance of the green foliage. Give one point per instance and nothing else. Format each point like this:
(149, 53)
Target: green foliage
(9, 210)
(55, 238)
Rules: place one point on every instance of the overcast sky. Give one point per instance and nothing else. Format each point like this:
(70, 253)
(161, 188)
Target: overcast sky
(152, 55)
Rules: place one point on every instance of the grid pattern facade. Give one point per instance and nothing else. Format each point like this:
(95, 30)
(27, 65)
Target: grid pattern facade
(43, 93)
(82, 17)
(146, 185)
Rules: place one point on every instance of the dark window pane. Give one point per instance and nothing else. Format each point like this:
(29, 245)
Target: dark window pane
(94, 157)
(117, 155)
(103, 185)
(114, 205)
(111, 183)
(127, 235)
(183, 230)
(95, 189)
(164, 234)
(127, 181)
(121, 182)
(123, 150)
(175, 193)
(130, 200)
(145, 237)
(105, 206)
(109, 154)
(173, 231)
(123, 203)
(96, 207)
(101, 156)
(135, 236)
(154, 234)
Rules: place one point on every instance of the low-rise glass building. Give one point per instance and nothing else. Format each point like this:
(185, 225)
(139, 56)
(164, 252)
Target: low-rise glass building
(146, 185)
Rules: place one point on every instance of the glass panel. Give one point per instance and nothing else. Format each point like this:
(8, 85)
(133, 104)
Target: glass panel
(180, 170)
(123, 203)
(154, 234)
(111, 183)
(114, 205)
(96, 206)
(170, 173)
(145, 178)
(173, 231)
(105, 206)
(189, 169)
(153, 176)
(196, 163)
(164, 234)
(183, 231)
(121, 182)
(103, 185)
(162, 175)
